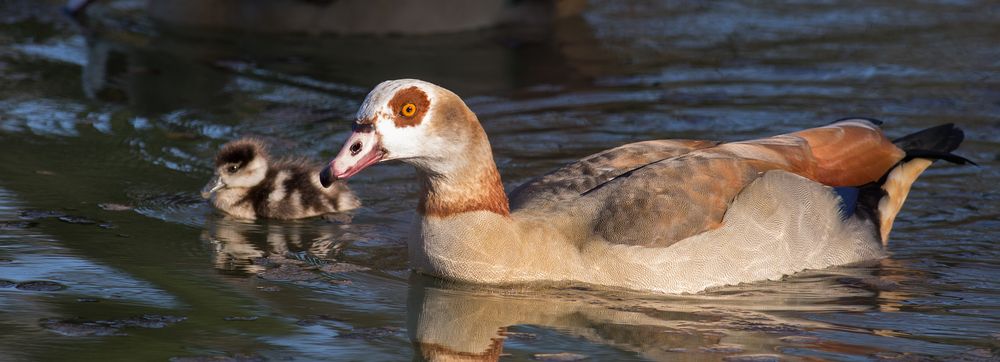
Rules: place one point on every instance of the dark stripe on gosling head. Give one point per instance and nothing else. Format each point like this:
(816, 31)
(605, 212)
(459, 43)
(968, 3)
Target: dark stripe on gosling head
(239, 152)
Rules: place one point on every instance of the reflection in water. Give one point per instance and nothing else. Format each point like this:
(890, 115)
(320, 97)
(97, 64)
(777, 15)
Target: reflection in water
(350, 16)
(27, 254)
(238, 243)
(131, 113)
(200, 70)
(148, 75)
(447, 321)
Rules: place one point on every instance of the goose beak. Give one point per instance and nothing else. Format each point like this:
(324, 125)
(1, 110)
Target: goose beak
(213, 185)
(361, 150)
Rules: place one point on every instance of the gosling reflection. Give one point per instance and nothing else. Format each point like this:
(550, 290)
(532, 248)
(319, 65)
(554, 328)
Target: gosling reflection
(241, 245)
(449, 322)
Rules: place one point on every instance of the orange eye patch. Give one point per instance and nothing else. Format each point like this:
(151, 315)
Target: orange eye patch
(409, 106)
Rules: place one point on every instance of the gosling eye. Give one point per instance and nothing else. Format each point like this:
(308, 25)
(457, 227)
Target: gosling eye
(233, 169)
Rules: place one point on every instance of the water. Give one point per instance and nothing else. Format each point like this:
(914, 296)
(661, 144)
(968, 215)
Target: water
(129, 112)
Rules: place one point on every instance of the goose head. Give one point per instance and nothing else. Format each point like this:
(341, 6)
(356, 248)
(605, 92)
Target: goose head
(239, 164)
(413, 121)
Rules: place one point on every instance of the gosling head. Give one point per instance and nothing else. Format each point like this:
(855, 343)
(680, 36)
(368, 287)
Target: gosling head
(240, 164)
(409, 120)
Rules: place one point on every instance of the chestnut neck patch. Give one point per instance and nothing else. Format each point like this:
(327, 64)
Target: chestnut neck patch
(483, 192)
(403, 97)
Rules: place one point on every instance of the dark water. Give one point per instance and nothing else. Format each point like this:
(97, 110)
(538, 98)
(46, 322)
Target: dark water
(127, 112)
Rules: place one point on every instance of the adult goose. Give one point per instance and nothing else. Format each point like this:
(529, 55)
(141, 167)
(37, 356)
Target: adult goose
(669, 216)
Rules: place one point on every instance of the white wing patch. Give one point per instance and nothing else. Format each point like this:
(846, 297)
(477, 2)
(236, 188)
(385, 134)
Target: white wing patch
(278, 190)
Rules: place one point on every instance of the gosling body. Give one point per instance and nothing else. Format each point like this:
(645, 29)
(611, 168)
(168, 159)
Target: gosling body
(249, 185)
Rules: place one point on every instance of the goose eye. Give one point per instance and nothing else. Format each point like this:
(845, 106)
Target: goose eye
(408, 110)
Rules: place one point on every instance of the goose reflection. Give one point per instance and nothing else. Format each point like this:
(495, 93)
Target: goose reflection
(452, 322)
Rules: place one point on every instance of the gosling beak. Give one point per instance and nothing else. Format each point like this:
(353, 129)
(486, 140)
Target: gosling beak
(213, 185)
(361, 150)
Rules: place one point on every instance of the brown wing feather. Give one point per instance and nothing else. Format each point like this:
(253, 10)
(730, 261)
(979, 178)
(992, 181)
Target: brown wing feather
(568, 182)
(850, 153)
(669, 200)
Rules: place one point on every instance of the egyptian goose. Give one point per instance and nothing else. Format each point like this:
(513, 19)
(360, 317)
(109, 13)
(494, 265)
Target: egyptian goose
(670, 216)
(248, 185)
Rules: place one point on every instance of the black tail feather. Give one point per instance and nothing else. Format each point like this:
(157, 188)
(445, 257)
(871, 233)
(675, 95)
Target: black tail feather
(934, 143)
(934, 155)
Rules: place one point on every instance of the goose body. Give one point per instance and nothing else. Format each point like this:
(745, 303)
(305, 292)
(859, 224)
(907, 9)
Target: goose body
(248, 185)
(668, 216)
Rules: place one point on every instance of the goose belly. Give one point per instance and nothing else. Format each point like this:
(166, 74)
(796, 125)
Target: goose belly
(778, 225)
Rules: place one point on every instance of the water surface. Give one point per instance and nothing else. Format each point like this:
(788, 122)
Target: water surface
(107, 131)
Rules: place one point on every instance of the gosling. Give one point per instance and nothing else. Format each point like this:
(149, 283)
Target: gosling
(247, 185)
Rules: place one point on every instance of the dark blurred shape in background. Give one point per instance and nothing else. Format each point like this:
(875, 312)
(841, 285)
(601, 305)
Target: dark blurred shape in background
(350, 17)
(128, 56)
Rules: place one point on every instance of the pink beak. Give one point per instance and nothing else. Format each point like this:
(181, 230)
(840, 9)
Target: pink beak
(361, 150)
